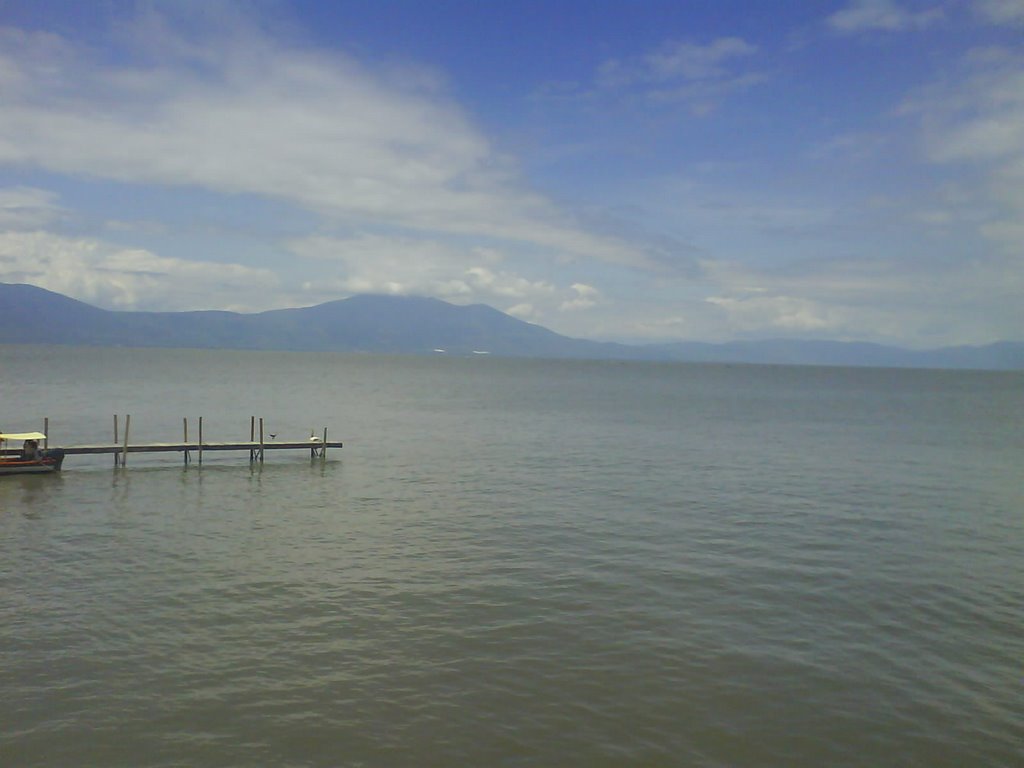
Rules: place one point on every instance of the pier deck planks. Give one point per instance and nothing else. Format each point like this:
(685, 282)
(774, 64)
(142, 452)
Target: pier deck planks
(78, 450)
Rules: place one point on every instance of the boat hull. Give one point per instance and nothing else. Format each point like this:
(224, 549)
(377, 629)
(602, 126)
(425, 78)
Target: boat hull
(50, 461)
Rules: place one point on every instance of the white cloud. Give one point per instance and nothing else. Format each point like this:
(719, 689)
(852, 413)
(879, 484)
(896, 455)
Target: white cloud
(849, 146)
(27, 208)
(411, 266)
(884, 15)
(373, 263)
(698, 76)
(881, 299)
(688, 61)
(1010, 12)
(522, 311)
(109, 276)
(975, 122)
(239, 112)
(586, 296)
(783, 312)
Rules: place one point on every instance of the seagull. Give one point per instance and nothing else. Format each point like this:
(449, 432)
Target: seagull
(272, 435)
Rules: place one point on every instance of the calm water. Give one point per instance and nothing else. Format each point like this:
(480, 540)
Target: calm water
(514, 563)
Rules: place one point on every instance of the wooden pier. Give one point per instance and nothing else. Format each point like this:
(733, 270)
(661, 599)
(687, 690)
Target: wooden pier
(256, 445)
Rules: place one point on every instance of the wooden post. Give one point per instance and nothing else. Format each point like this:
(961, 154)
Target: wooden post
(46, 431)
(323, 448)
(252, 437)
(124, 452)
(184, 422)
(115, 438)
(200, 439)
(261, 439)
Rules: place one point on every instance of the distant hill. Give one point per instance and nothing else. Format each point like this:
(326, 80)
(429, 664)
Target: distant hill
(385, 324)
(417, 325)
(999, 356)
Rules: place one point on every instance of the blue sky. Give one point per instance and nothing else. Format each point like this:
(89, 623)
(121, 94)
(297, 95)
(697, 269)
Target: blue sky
(612, 170)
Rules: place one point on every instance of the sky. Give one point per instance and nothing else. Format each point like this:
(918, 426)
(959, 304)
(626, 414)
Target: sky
(637, 171)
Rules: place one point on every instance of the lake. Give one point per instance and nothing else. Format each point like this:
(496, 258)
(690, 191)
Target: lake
(514, 562)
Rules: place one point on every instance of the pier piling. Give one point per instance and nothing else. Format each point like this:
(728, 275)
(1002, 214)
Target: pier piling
(127, 426)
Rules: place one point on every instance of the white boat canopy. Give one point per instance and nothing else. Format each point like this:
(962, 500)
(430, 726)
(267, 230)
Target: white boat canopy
(22, 436)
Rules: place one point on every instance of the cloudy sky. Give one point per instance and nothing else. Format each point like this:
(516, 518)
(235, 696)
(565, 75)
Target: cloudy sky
(642, 170)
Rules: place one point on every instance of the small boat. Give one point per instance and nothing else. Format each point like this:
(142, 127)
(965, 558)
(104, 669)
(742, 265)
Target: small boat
(30, 459)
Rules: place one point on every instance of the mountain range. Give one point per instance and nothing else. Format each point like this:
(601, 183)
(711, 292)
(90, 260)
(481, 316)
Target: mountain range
(419, 325)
